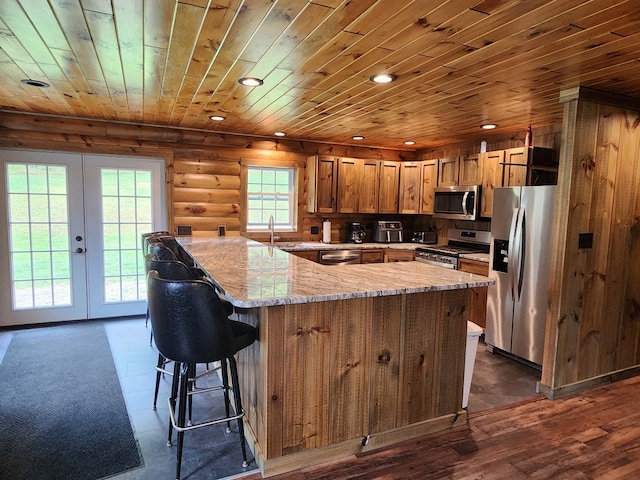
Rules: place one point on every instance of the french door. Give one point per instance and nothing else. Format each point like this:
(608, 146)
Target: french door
(70, 229)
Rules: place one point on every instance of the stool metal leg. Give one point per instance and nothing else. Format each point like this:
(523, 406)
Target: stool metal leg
(239, 411)
(183, 400)
(225, 390)
(174, 395)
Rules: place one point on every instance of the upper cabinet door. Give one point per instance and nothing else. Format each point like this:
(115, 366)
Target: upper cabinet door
(515, 167)
(448, 171)
(369, 187)
(389, 177)
(492, 163)
(470, 170)
(429, 177)
(322, 181)
(409, 191)
(348, 184)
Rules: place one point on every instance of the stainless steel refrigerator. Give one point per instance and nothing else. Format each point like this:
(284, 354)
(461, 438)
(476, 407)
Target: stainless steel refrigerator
(520, 261)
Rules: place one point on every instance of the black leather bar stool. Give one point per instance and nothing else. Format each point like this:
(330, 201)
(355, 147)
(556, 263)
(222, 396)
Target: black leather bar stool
(191, 327)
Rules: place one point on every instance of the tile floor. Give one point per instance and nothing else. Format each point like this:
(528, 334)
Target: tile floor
(211, 453)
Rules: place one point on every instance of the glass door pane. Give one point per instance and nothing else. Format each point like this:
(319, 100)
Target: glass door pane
(41, 218)
(125, 198)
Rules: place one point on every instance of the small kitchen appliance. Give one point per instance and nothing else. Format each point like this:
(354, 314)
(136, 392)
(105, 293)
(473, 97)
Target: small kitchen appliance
(355, 232)
(387, 231)
(425, 237)
(458, 242)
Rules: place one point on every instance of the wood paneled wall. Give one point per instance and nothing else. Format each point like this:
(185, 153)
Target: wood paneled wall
(593, 327)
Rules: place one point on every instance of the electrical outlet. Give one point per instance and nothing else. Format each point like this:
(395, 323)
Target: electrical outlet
(184, 229)
(315, 230)
(222, 230)
(585, 240)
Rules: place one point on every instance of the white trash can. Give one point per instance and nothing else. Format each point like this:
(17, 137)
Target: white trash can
(473, 334)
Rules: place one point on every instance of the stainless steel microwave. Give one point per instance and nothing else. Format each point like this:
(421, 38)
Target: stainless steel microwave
(458, 203)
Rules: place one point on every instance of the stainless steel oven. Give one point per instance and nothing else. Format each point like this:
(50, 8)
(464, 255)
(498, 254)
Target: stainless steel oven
(459, 242)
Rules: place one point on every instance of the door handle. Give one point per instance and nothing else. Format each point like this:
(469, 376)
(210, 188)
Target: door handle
(79, 250)
(512, 253)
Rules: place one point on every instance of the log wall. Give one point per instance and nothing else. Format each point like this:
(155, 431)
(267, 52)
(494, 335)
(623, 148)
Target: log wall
(203, 169)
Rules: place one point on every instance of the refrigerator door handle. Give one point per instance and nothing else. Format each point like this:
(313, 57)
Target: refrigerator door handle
(520, 245)
(512, 252)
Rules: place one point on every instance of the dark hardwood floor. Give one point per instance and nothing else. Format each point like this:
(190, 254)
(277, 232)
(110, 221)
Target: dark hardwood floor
(594, 435)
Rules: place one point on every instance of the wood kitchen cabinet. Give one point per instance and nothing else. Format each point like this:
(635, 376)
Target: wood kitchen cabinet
(478, 300)
(389, 178)
(515, 167)
(369, 189)
(308, 254)
(470, 170)
(429, 180)
(448, 169)
(348, 184)
(409, 190)
(358, 185)
(371, 256)
(322, 183)
(492, 163)
(398, 255)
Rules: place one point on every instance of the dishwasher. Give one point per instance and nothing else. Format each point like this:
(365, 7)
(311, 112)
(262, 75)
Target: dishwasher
(339, 257)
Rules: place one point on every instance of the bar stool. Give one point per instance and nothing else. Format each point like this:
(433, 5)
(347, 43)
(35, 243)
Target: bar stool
(191, 327)
(173, 270)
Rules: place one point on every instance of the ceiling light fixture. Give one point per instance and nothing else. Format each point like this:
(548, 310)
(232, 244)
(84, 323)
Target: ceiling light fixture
(250, 81)
(217, 118)
(35, 83)
(357, 137)
(279, 134)
(489, 126)
(383, 78)
(409, 142)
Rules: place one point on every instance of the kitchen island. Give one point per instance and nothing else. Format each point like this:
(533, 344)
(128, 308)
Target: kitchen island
(349, 358)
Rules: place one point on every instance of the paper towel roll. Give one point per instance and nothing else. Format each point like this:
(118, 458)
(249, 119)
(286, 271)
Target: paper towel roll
(326, 231)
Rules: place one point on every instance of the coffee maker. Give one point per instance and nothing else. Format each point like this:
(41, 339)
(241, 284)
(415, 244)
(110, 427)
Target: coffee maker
(355, 232)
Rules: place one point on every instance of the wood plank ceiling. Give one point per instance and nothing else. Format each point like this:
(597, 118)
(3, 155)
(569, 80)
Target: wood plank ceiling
(459, 63)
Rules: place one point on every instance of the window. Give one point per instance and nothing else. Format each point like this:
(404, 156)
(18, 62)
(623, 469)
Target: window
(271, 191)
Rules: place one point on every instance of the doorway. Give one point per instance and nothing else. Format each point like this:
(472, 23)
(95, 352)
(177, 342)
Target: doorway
(70, 228)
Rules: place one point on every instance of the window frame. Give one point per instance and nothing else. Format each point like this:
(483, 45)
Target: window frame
(298, 181)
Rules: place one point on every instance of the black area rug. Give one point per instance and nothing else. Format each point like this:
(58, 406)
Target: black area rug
(62, 413)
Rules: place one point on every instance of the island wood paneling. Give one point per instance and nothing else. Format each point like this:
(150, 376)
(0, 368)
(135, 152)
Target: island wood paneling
(593, 327)
(325, 375)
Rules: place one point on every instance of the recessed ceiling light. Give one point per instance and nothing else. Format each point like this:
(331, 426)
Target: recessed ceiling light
(250, 82)
(279, 134)
(409, 142)
(217, 118)
(489, 126)
(35, 83)
(382, 78)
(357, 137)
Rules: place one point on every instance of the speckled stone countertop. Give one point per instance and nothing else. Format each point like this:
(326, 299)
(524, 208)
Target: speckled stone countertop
(252, 274)
(297, 246)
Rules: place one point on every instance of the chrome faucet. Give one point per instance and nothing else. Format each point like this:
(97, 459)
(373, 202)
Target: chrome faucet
(272, 237)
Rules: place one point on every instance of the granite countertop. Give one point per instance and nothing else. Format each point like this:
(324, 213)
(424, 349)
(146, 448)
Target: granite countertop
(481, 257)
(252, 274)
(297, 246)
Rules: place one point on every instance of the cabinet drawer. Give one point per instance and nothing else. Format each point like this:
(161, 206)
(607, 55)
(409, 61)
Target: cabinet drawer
(371, 256)
(473, 266)
(308, 254)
